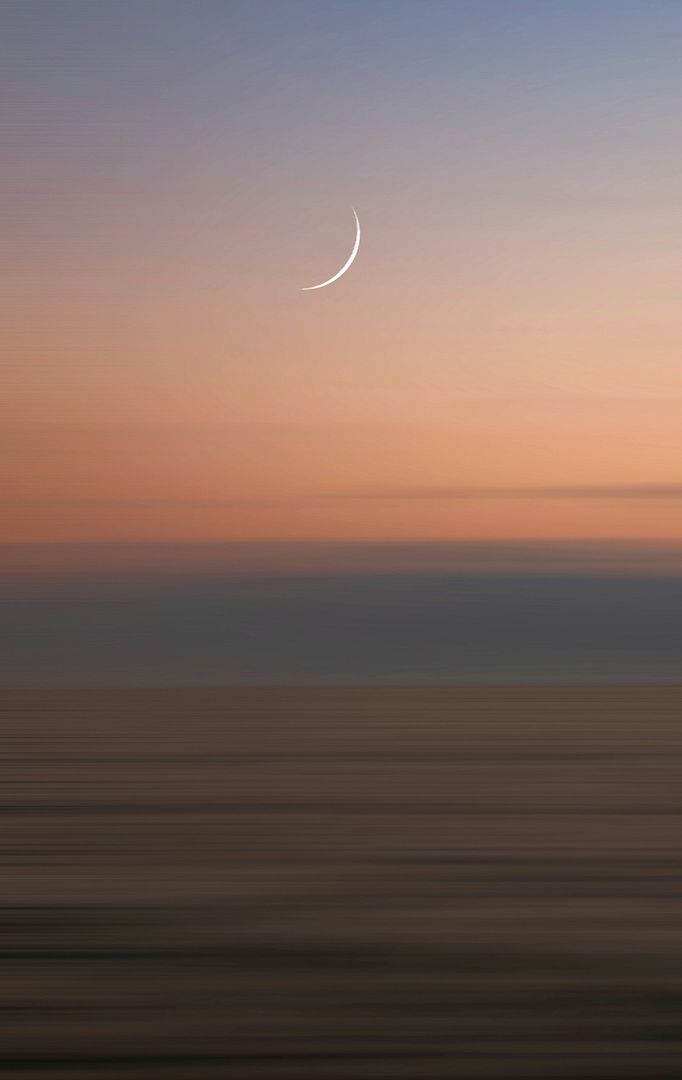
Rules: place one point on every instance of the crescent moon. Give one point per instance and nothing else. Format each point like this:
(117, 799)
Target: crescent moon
(348, 263)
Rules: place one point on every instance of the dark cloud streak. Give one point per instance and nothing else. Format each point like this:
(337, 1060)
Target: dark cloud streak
(551, 491)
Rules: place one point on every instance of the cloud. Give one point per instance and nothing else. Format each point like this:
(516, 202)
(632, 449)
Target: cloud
(551, 491)
(645, 492)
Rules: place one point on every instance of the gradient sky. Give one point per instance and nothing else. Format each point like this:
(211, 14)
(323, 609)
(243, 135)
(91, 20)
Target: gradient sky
(503, 359)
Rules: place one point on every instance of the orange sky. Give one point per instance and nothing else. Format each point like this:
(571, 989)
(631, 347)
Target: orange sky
(512, 320)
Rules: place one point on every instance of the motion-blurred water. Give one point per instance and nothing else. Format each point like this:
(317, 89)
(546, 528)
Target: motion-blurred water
(370, 883)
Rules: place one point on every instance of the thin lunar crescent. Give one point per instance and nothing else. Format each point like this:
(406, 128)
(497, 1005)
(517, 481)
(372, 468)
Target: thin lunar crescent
(346, 265)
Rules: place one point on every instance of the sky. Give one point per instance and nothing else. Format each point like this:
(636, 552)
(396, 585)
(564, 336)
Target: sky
(491, 394)
(501, 361)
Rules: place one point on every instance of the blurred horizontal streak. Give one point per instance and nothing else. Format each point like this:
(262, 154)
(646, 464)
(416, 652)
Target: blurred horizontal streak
(59, 809)
(329, 884)
(38, 568)
(547, 491)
